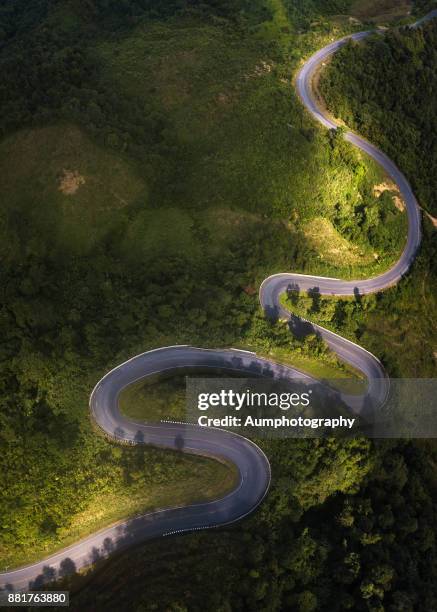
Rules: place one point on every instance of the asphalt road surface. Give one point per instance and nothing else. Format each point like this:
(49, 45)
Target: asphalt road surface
(253, 466)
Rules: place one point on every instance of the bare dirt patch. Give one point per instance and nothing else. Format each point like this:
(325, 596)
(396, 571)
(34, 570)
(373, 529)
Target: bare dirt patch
(224, 99)
(432, 219)
(264, 67)
(70, 181)
(388, 185)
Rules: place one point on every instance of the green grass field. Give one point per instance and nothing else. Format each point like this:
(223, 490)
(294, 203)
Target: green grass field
(152, 402)
(69, 188)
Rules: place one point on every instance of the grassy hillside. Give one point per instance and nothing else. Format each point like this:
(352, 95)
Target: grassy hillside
(67, 188)
(158, 166)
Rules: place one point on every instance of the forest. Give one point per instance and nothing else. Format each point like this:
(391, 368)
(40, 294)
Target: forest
(370, 87)
(156, 166)
(385, 89)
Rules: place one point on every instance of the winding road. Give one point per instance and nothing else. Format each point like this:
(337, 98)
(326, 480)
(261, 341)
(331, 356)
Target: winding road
(253, 465)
